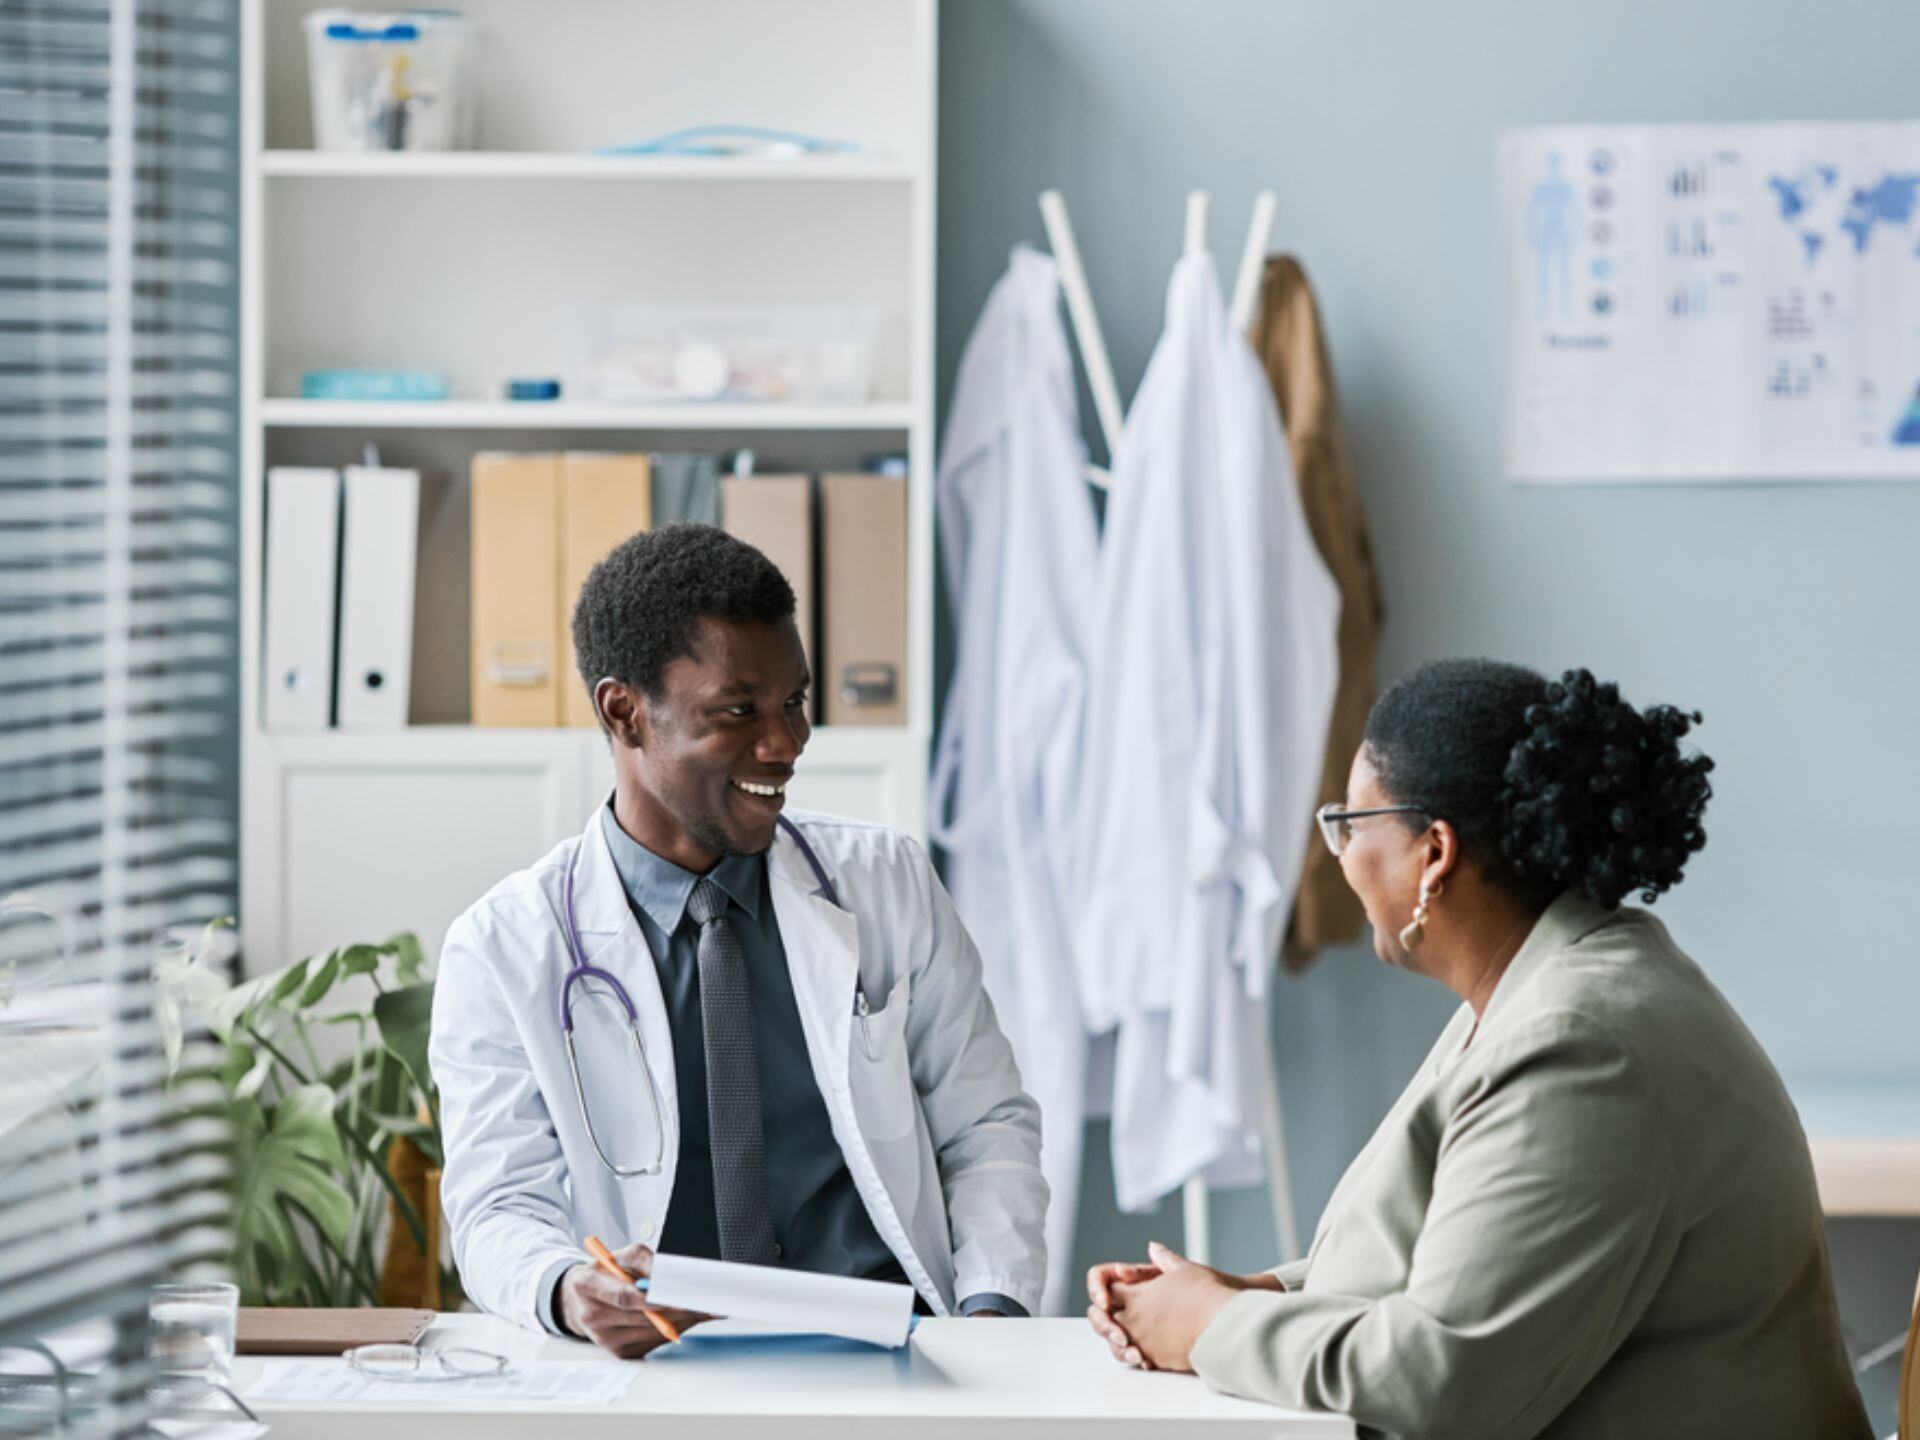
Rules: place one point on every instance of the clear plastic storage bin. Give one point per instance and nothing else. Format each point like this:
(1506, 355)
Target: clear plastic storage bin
(804, 354)
(392, 80)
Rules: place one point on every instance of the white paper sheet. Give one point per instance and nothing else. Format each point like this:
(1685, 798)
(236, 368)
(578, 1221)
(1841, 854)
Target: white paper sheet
(201, 1429)
(789, 1301)
(335, 1382)
(1713, 301)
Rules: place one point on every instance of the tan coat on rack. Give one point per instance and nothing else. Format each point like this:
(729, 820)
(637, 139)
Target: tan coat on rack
(1288, 338)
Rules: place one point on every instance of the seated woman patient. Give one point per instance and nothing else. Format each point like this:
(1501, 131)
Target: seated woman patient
(1592, 1213)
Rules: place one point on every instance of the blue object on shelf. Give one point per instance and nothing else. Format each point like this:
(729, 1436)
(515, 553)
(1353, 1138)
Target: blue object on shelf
(398, 30)
(733, 140)
(533, 389)
(372, 385)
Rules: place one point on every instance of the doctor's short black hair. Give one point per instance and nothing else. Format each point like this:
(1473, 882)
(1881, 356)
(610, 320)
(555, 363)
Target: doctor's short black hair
(1550, 785)
(641, 607)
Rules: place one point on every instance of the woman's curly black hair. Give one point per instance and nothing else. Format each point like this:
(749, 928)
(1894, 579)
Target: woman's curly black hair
(1550, 785)
(641, 607)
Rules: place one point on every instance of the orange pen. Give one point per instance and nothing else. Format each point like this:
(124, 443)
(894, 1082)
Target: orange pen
(603, 1257)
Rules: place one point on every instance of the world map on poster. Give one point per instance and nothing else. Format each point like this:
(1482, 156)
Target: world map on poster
(1729, 302)
(1818, 207)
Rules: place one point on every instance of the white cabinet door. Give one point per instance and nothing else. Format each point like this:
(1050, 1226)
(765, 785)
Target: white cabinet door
(401, 837)
(875, 787)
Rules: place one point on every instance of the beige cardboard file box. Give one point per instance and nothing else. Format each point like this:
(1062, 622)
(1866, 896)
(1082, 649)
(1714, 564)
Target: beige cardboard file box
(607, 498)
(517, 651)
(774, 514)
(863, 652)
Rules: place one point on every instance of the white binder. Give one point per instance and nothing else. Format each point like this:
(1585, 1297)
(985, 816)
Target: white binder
(303, 558)
(376, 597)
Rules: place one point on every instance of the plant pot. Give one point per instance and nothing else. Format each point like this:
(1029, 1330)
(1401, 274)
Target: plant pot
(410, 1275)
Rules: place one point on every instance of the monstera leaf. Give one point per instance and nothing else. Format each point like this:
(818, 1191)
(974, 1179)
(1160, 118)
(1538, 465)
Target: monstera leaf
(285, 1166)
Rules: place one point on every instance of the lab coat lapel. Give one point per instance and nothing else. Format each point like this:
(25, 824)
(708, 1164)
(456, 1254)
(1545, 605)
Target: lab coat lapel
(822, 943)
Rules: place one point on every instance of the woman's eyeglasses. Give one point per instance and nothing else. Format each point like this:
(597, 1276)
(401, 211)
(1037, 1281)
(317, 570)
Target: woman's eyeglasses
(1336, 821)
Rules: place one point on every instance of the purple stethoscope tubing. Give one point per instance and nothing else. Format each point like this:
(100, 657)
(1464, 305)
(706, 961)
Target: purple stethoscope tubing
(583, 971)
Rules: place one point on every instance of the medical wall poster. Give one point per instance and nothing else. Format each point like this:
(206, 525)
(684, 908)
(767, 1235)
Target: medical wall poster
(1725, 302)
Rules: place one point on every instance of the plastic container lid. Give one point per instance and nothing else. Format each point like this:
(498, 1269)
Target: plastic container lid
(398, 30)
(381, 26)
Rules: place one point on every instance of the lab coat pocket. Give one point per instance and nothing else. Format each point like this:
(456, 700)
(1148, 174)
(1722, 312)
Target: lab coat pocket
(882, 1083)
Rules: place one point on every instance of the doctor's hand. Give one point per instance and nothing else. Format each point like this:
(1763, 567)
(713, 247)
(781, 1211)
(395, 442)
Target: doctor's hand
(1153, 1315)
(597, 1307)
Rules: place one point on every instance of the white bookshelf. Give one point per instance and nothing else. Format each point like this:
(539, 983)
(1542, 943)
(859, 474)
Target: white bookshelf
(896, 418)
(512, 165)
(463, 263)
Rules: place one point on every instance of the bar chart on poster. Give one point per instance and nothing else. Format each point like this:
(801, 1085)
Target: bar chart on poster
(1713, 302)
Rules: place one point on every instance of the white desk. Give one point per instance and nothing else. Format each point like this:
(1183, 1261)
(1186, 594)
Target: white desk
(958, 1378)
(1866, 1147)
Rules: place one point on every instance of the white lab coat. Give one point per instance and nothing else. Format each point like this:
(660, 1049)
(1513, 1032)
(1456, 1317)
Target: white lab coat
(1212, 679)
(1020, 543)
(941, 1142)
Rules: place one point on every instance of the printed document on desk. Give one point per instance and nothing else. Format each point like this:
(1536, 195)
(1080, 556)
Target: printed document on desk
(790, 1301)
(335, 1382)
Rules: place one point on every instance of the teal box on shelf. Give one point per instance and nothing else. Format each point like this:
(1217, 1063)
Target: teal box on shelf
(372, 385)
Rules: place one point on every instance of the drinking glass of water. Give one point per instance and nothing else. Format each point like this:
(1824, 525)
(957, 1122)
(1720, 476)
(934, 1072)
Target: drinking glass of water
(190, 1330)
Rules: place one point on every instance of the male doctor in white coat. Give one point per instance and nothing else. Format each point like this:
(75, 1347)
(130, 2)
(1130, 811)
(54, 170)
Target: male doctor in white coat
(813, 1076)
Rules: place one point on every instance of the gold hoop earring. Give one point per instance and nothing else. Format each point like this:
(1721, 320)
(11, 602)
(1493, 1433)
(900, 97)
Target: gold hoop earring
(1415, 935)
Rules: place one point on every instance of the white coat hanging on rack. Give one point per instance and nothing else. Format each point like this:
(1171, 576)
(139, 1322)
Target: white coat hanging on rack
(1111, 418)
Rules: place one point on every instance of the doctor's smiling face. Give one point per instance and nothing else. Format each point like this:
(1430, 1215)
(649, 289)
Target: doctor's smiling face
(685, 638)
(703, 763)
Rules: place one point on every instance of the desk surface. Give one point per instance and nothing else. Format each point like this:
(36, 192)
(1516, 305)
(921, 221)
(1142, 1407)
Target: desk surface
(957, 1378)
(1866, 1146)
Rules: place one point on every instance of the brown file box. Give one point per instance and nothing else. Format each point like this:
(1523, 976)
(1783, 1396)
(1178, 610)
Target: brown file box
(607, 499)
(774, 514)
(863, 651)
(517, 651)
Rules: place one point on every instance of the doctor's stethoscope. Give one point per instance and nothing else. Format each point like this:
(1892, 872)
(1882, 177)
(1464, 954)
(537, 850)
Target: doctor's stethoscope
(582, 971)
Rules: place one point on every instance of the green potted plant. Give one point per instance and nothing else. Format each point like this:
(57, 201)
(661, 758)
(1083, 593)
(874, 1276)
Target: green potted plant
(334, 1118)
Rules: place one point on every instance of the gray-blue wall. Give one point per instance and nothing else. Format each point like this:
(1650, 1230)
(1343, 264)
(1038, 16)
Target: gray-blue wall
(1787, 613)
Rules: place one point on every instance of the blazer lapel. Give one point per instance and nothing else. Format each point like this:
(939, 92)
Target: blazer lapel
(1563, 922)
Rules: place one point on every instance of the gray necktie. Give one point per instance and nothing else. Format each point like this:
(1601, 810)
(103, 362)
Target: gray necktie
(733, 1085)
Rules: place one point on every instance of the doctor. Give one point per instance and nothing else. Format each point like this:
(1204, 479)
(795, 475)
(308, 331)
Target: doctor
(710, 1028)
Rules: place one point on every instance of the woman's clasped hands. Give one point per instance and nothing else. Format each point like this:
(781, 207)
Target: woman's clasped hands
(1152, 1315)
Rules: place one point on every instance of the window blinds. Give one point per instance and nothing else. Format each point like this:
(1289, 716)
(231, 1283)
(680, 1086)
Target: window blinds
(119, 235)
